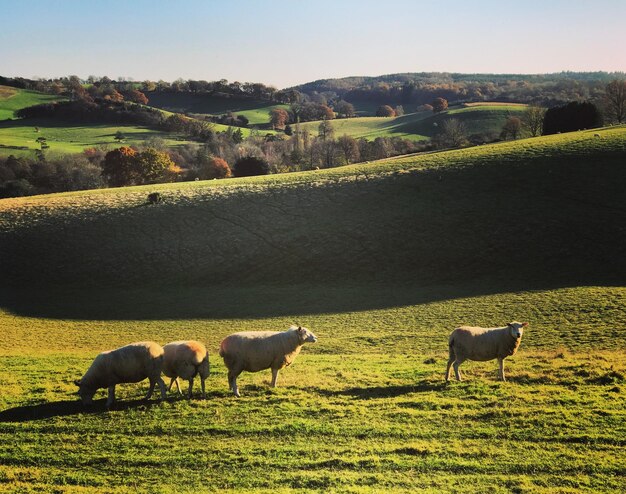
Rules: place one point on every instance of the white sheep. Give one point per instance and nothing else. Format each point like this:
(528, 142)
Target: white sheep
(253, 351)
(129, 364)
(186, 359)
(482, 344)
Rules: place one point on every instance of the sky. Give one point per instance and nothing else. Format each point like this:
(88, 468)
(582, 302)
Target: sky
(284, 43)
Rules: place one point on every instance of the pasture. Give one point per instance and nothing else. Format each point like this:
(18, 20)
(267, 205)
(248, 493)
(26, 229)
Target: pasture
(420, 126)
(381, 261)
(13, 99)
(19, 137)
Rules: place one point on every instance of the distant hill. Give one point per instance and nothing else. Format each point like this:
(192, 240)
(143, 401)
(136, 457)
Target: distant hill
(13, 99)
(480, 120)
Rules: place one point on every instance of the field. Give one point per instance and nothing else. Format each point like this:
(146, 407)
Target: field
(380, 261)
(12, 99)
(19, 137)
(482, 119)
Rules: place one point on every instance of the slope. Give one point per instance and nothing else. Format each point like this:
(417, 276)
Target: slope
(13, 99)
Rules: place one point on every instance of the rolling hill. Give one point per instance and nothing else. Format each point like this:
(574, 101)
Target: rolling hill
(13, 99)
(479, 119)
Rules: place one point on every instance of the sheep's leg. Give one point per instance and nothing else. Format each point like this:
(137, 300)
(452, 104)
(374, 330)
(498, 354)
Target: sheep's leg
(162, 387)
(232, 383)
(178, 386)
(274, 377)
(111, 397)
(190, 388)
(457, 373)
(174, 380)
(501, 365)
(450, 362)
(202, 384)
(152, 384)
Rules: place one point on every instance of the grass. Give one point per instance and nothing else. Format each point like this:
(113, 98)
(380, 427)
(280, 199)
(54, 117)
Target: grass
(483, 119)
(381, 261)
(13, 99)
(19, 137)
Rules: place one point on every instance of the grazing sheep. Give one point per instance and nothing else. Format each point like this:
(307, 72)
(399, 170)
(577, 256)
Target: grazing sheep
(253, 351)
(472, 343)
(186, 359)
(129, 364)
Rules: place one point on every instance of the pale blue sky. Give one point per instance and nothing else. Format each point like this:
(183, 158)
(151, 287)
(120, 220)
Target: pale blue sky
(287, 43)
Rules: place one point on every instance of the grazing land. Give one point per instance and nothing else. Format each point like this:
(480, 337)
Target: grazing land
(390, 257)
(479, 119)
(13, 99)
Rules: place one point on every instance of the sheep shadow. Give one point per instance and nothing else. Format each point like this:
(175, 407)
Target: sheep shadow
(66, 408)
(375, 392)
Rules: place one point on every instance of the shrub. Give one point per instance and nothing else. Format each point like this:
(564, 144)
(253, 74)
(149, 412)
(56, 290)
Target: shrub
(213, 168)
(250, 166)
(385, 111)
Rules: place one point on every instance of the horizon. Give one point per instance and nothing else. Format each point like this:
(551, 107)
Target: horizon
(254, 41)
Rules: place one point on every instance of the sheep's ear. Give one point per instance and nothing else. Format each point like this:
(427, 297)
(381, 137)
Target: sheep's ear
(510, 324)
(77, 382)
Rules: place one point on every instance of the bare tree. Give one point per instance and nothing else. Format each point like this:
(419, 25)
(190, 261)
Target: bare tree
(349, 147)
(532, 120)
(453, 134)
(615, 100)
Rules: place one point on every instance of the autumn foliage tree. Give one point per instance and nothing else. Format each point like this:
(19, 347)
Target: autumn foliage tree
(214, 168)
(136, 97)
(279, 118)
(385, 111)
(439, 105)
(154, 166)
(119, 167)
(511, 128)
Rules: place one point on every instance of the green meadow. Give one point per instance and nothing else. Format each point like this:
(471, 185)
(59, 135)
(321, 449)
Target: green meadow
(381, 261)
(421, 126)
(13, 99)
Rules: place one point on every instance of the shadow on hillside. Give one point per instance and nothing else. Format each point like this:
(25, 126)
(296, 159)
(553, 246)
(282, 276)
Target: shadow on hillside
(195, 302)
(65, 408)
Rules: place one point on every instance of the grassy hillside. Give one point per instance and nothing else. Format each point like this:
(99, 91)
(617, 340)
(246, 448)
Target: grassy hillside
(13, 99)
(381, 261)
(19, 137)
(478, 119)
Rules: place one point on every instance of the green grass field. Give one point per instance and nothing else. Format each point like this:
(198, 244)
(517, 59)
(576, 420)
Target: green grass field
(13, 99)
(381, 261)
(482, 119)
(19, 137)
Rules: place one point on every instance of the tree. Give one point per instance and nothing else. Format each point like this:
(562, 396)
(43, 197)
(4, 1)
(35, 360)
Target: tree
(325, 130)
(532, 120)
(511, 128)
(385, 111)
(279, 118)
(349, 148)
(250, 166)
(119, 167)
(399, 110)
(615, 101)
(153, 166)
(136, 97)
(439, 105)
(213, 167)
(571, 117)
(452, 135)
(119, 136)
(288, 130)
(345, 109)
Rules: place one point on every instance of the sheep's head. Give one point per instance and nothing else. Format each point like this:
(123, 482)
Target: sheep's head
(85, 393)
(516, 329)
(305, 335)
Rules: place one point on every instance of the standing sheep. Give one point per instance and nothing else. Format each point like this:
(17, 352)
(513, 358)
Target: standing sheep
(186, 359)
(129, 364)
(482, 344)
(253, 351)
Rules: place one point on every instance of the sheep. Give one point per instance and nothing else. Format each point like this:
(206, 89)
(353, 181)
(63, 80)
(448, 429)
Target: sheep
(482, 344)
(253, 351)
(128, 364)
(186, 359)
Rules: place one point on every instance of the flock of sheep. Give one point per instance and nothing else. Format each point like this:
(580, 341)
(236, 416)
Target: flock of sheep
(253, 351)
